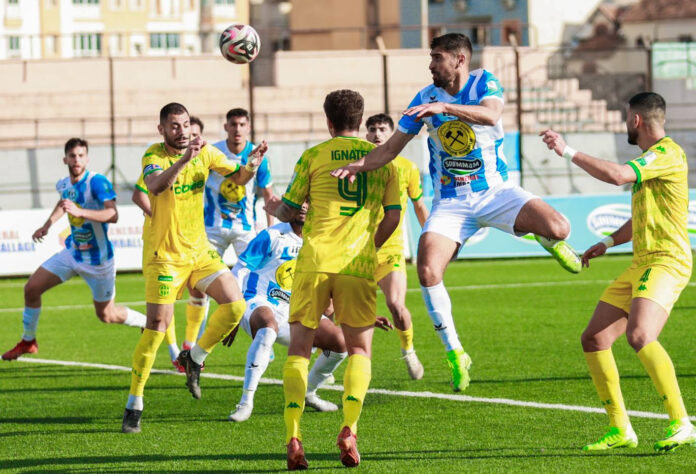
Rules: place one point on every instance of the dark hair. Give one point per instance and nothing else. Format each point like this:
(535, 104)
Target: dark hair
(193, 119)
(649, 104)
(344, 109)
(172, 108)
(379, 118)
(73, 142)
(237, 112)
(453, 43)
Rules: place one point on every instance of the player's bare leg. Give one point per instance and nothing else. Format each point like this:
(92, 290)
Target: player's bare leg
(108, 312)
(550, 229)
(434, 254)
(329, 338)
(393, 286)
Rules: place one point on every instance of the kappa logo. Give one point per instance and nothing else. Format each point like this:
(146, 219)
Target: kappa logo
(351, 398)
(293, 405)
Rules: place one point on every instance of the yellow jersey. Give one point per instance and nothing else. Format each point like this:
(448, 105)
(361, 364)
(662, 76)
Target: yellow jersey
(140, 184)
(176, 230)
(660, 206)
(343, 217)
(410, 186)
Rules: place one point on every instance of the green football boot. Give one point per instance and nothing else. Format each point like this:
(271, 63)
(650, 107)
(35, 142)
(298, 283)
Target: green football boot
(562, 252)
(678, 433)
(459, 361)
(614, 438)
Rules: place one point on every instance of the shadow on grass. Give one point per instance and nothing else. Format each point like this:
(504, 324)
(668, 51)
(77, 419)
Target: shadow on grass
(580, 378)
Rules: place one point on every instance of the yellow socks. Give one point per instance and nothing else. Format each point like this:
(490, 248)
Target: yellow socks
(295, 388)
(143, 358)
(605, 376)
(355, 382)
(661, 370)
(221, 323)
(170, 333)
(406, 338)
(195, 314)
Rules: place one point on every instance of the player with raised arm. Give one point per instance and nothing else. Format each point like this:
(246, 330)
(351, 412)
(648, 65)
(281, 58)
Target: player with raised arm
(462, 110)
(639, 301)
(337, 260)
(391, 263)
(178, 251)
(90, 202)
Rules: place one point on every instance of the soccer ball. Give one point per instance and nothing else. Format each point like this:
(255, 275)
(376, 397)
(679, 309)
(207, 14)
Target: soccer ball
(240, 43)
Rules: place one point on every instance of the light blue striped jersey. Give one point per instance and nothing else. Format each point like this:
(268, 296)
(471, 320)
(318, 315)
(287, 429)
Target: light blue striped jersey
(88, 241)
(464, 157)
(227, 204)
(270, 258)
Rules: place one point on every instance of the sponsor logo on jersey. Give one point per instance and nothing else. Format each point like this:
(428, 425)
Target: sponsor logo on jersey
(461, 167)
(185, 188)
(82, 235)
(457, 137)
(285, 274)
(604, 220)
(279, 294)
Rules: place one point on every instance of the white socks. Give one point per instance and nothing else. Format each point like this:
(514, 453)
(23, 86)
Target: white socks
(30, 319)
(439, 307)
(323, 367)
(258, 357)
(173, 351)
(134, 403)
(198, 355)
(135, 319)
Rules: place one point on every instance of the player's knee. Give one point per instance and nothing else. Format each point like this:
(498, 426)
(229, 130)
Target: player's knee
(428, 275)
(396, 308)
(638, 338)
(106, 315)
(32, 291)
(590, 341)
(560, 228)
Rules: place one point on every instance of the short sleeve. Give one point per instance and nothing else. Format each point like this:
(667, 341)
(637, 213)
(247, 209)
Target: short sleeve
(414, 186)
(219, 162)
(298, 189)
(655, 163)
(140, 184)
(151, 162)
(392, 196)
(488, 87)
(408, 124)
(102, 190)
(257, 252)
(263, 175)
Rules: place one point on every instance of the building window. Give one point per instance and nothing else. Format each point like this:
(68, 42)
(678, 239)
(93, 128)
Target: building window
(13, 2)
(85, 2)
(51, 43)
(164, 41)
(511, 28)
(87, 44)
(229, 3)
(13, 46)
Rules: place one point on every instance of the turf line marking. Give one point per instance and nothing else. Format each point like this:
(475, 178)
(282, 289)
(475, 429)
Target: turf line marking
(378, 391)
(82, 306)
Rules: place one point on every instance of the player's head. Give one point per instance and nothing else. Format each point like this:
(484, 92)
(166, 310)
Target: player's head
(344, 111)
(175, 126)
(302, 215)
(76, 156)
(379, 128)
(237, 125)
(646, 110)
(196, 127)
(450, 56)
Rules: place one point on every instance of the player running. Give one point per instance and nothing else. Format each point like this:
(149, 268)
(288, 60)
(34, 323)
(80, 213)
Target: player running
(391, 263)
(639, 301)
(177, 250)
(90, 202)
(338, 259)
(267, 267)
(462, 110)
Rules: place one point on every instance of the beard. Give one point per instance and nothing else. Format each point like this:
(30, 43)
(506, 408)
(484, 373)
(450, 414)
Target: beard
(632, 137)
(439, 81)
(177, 145)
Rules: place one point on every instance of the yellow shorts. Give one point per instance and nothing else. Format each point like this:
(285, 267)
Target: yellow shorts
(165, 280)
(389, 260)
(354, 299)
(659, 283)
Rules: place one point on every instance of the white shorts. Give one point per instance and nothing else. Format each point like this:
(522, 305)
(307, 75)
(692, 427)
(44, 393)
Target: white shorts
(461, 217)
(281, 313)
(221, 238)
(100, 278)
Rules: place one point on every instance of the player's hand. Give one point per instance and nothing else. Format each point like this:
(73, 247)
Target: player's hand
(71, 208)
(230, 337)
(426, 110)
(193, 149)
(554, 141)
(39, 234)
(383, 324)
(272, 204)
(256, 155)
(597, 250)
(349, 171)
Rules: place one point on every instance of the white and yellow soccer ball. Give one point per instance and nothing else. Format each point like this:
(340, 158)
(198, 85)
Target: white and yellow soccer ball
(240, 43)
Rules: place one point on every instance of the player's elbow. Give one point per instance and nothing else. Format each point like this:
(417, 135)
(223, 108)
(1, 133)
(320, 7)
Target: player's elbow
(114, 217)
(622, 175)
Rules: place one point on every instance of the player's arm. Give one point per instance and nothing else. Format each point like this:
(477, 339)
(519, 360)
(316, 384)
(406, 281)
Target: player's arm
(488, 111)
(377, 158)
(56, 214)
(622, 235)
(267, 194)
(422, 212)
(603, 170)
(108, 214)
(246, 173)
(158, 181)
(387, 225)
(284, 212)
(141, 199)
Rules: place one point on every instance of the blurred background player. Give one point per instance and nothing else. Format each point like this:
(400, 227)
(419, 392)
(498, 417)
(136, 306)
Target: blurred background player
(391, 263)
(193, 321)
(338, 260)
(462, 110)
(640, 300)
(178, 251)
(267, 268)
(90, 202)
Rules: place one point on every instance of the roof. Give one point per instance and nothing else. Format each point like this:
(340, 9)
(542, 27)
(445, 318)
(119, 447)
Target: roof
(652, 10)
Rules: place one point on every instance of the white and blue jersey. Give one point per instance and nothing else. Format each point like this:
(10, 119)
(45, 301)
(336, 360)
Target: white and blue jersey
(270, 259)
(228, 204)
(88, 241)
(464, 157)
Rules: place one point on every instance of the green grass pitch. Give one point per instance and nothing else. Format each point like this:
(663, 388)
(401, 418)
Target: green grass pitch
(520, 320)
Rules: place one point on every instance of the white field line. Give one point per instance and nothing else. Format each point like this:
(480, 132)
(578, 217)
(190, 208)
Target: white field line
(81, 306)
(379, 391)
